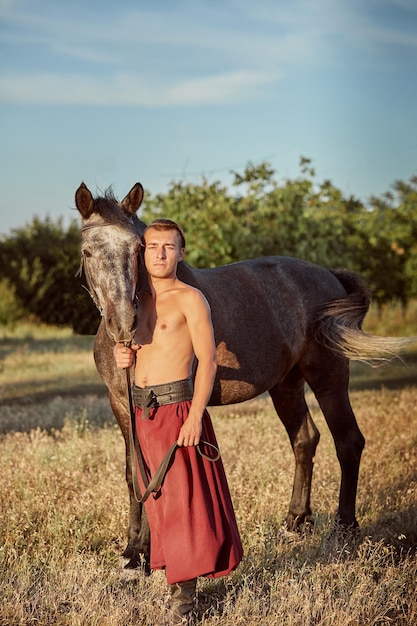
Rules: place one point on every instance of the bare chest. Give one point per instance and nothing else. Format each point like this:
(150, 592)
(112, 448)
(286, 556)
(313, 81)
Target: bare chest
(157, 324)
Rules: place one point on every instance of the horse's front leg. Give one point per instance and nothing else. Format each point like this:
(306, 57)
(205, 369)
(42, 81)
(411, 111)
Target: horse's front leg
(290, 404)
(138, 534)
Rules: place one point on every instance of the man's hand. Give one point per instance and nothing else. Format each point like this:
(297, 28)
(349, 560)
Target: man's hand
(123, 355)
(190, 433)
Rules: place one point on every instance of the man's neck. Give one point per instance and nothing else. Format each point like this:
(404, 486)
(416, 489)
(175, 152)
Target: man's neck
(159, 285)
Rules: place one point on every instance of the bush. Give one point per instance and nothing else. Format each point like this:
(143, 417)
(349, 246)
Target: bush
(40, 261)
(11, 309)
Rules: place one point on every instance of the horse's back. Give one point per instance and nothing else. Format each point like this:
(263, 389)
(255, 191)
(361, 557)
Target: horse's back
(262, 311)
(276, 290)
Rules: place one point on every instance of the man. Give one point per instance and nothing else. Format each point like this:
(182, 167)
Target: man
(191, 518)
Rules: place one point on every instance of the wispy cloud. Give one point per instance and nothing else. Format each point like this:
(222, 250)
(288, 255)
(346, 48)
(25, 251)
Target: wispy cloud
(131, 89)
(222, 88)
(357, 25)
(132, 36)
(197, 54)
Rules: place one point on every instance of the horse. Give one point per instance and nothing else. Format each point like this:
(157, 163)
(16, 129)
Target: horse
(279, 323)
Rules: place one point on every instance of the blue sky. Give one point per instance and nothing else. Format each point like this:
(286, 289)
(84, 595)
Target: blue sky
(117, 92)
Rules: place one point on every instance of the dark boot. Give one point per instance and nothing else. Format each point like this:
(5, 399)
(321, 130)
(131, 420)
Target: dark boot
(182, 602)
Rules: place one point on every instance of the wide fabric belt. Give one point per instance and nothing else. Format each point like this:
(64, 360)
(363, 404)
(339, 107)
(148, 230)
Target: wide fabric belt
(157, 395)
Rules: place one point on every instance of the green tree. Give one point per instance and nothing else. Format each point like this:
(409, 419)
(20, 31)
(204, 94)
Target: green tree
(391, 228)
(258, 216)
(40, 261)
(299, 217)
(206, 214)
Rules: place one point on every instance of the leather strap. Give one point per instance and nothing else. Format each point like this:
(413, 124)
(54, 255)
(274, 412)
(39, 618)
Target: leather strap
(135, 451)
(154, 484)
(157, 479)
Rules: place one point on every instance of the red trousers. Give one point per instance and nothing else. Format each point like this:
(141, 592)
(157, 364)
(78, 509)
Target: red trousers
(191, 519)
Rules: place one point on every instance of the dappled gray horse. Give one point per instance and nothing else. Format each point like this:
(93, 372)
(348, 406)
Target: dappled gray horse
(279, 323)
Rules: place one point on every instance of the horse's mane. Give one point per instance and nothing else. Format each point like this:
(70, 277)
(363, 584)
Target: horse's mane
(107, 206)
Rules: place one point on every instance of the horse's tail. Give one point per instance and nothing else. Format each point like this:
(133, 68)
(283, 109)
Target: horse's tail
(339, 325)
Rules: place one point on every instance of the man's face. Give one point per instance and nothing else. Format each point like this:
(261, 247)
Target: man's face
(162, 252)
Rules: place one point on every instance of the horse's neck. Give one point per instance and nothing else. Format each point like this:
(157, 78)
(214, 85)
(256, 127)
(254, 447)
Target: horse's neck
(139, 225)
(188, 275)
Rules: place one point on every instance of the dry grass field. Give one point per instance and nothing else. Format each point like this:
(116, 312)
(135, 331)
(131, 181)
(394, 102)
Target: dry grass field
(63, 504)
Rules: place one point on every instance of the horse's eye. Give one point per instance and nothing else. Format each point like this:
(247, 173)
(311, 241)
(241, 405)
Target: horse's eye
(87, 254)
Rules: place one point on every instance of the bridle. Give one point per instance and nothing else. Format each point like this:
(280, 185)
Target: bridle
(84, 267)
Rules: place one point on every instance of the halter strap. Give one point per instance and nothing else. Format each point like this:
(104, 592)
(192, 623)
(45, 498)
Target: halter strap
(94, 225)
(98, 224)
(83, 265)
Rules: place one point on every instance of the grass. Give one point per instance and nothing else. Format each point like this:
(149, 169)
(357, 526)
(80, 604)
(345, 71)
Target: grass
(392, 319)
(38, 361)
(66, 514)
(64, 506)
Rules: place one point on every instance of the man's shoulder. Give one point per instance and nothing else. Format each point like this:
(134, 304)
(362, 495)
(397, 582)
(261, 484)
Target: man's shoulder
(189, 293)
(189, 290)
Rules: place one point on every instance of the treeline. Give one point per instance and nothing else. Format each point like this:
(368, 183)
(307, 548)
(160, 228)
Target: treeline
(258, 216)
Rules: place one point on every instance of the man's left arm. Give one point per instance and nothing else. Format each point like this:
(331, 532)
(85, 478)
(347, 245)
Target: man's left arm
(202, 337)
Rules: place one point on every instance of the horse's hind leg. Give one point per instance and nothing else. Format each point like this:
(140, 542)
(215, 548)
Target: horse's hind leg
(328, 377)
(290, 404)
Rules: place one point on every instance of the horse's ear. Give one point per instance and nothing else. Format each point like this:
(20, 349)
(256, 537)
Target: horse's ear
(133, 200)
(84, 201)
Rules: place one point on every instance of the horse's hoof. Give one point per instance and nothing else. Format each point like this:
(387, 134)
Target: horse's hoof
(140, 563)
(296, 523)
(136, 561)
(345, 530)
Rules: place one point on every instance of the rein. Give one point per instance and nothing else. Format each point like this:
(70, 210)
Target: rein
(155, 483)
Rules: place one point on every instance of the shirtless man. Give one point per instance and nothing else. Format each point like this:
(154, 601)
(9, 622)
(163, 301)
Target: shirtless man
(192, 522)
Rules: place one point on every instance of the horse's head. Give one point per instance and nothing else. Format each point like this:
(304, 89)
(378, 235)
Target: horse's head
(110, 243)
